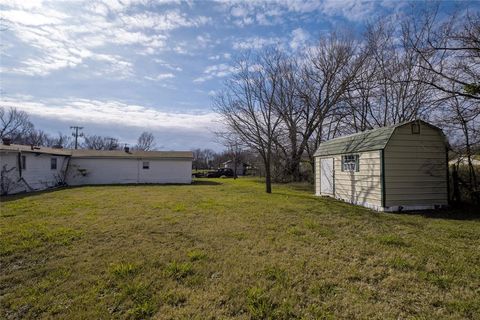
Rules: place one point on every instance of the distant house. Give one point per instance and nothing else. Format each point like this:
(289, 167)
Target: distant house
(26, 168)
(401, 167)
(117, 167)
(241, 167)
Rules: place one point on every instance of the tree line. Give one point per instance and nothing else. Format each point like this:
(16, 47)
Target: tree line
(283, 105)
(17, 127)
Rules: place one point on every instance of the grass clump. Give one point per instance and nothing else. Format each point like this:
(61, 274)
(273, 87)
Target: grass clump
(174, 298)
(178, 271)
(142, 310)
(392, 240)
(123, 269)
(259, 304)
(325, 289)
(400, 263)
(196, 255)
(276, 275)
(296, 231)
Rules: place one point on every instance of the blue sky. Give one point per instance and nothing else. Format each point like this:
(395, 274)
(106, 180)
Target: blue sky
(120, 67)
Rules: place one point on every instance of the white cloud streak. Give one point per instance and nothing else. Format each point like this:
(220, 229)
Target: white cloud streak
(111, 112)
(215, 71)
(67, 39)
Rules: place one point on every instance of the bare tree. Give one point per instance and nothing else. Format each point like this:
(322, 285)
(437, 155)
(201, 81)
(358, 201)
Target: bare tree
(36, 137)
(203, 158)
(460, 118)
(14, 124)
(325, 78)
(60, 141)
(234, 145)
(145, 142)
(246, 105)
(100, 143)
(383, 91)
(449, 50)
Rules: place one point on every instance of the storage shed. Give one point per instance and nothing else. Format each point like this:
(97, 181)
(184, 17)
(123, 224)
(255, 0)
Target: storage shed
(401, 167)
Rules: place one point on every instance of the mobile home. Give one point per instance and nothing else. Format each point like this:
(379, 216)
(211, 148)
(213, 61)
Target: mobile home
(30, 168)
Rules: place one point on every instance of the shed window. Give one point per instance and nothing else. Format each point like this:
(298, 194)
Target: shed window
(53, 163)
(24, 162)
(350, 162)
(146, 165)
(416, 128)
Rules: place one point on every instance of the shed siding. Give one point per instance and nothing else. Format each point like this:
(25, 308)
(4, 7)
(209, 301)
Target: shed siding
(415, 168)
(124, 171)
(37, 174)
(362, 187)
(317, 176)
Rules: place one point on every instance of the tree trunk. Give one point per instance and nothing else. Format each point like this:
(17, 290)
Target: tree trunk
(234, 167)
(268, 173)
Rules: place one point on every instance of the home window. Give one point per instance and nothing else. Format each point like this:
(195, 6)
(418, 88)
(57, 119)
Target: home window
(53, 163)
(24, 162)
(146, 165)
(416, 128)
(350, 162)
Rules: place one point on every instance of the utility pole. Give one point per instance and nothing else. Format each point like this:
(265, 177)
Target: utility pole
(76, 134)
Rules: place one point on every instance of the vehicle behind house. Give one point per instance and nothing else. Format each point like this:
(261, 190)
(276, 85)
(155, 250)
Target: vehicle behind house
(222, 172)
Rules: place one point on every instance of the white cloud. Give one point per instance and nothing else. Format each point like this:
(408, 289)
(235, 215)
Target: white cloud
(167, 65)
(299, 38)
(111, 112)
(225, 56)
(255, 43)
(67, 39)
(239, 11)
(161, 76)
(351, 9)
(163, 21)
(34, 19)
(215, 71)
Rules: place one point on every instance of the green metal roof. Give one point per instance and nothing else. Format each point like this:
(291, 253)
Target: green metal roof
(370, 140)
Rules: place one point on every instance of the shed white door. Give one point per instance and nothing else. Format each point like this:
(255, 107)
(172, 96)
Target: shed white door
(326, 176)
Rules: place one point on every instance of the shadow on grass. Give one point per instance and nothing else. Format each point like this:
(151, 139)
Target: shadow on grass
(205, 183)
(294, 195)
(458, 212)
(19, 196)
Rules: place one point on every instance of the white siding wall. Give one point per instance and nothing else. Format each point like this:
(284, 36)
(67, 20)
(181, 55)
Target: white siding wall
(317, 176)
(415, 169)
(37, 174)
(362, 187)
(9, 161)
(122, 171)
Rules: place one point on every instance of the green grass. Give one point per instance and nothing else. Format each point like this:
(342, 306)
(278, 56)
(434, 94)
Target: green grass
(223, 249)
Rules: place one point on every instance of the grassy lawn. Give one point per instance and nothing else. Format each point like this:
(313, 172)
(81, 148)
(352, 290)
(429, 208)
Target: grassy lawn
(223, 249)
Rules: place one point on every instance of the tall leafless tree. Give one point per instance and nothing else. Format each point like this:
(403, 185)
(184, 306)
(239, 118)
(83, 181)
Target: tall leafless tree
(145, 142)
(100, 143)
(449, 51)
(325, 78)
(247, 105)
(14, 124)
